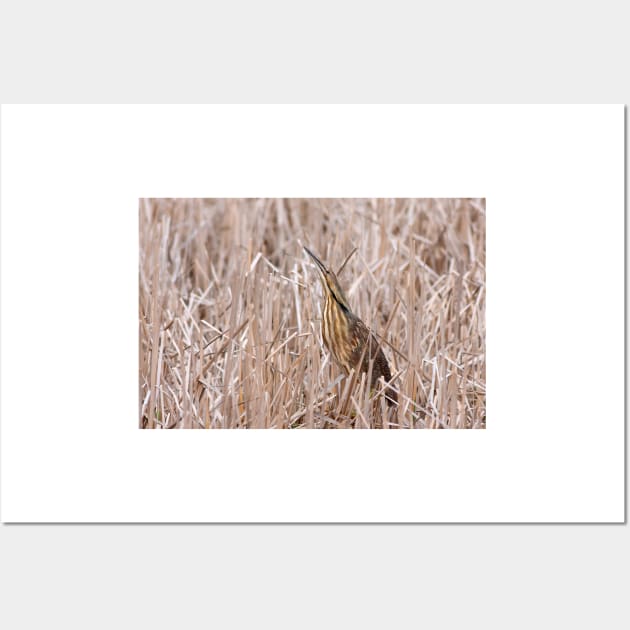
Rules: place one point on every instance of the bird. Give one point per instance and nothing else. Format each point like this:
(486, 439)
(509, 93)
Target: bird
(349, 341)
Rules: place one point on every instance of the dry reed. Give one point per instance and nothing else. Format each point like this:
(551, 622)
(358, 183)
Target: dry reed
(230, 310)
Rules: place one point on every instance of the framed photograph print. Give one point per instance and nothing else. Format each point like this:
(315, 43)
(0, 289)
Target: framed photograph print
(313, 313)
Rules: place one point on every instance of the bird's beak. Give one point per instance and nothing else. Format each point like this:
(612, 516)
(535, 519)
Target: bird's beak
(318, 262)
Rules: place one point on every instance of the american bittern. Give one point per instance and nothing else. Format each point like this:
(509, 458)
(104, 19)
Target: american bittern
(348, 339)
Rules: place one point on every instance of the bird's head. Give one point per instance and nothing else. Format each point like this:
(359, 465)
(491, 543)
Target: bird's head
(329, 282)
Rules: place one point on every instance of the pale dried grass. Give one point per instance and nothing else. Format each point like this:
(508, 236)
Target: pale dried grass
(230, 308)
